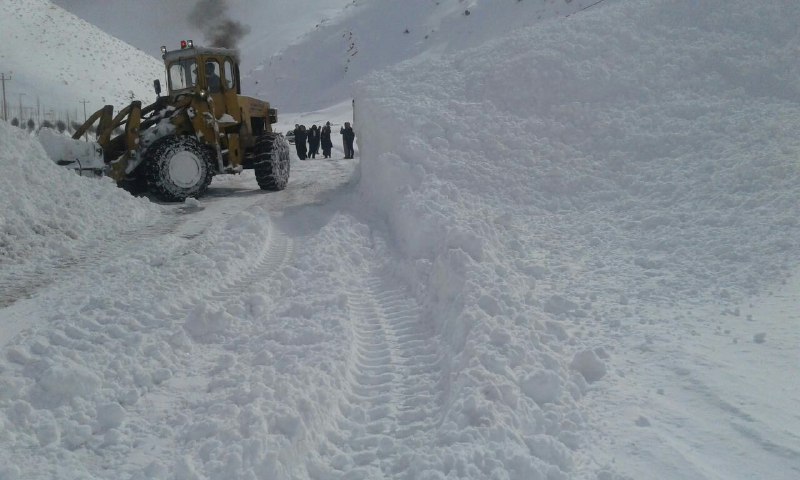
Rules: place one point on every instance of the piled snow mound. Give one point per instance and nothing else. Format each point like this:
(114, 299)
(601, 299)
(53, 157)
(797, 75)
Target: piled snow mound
(633, 155)
(49, 210)
(680, 151)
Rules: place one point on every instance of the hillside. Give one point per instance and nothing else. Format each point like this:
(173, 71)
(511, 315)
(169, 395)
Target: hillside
(61, 60)
(320, 68)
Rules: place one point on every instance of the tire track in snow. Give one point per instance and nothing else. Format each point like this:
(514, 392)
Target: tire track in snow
(276, 251)
(16, 284)
(393, 401)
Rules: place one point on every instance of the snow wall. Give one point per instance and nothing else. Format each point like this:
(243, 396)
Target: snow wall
(49, 210)
(550, 185)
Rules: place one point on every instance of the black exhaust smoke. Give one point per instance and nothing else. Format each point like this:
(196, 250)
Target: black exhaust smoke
(211, 17)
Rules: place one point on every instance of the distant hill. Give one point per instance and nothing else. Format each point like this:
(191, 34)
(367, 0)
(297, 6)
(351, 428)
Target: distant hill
(320, 68)
(57, 60)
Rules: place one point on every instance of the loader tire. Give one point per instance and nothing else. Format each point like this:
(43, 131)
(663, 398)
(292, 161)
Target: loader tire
(177, 168)
(271, 161)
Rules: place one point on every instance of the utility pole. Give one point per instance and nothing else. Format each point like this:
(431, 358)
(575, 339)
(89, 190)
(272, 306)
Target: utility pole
(85, 134)
(21, 112)
(3, 79)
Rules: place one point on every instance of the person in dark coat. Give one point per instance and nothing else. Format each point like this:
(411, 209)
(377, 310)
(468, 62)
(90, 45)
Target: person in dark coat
(325, 140)
(300, 141)
(348, 136)
(313, 141)
(213, 82)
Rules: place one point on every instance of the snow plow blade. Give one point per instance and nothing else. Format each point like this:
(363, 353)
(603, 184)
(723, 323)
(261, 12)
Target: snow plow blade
(86, 158)
(105, 156)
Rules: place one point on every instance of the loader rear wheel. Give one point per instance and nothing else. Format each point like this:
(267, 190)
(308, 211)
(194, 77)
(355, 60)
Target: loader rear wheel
(271, 161)
(177, 168)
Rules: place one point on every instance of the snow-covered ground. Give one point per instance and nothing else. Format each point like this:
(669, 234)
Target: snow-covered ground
(567, 253)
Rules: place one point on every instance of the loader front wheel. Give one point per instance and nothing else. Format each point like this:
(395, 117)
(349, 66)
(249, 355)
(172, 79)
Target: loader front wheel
(271, 161)
(177, 168)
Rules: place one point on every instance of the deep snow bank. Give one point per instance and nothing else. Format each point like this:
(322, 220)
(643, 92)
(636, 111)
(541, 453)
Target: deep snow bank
(654, 121)
(49, 210)
(542, 185)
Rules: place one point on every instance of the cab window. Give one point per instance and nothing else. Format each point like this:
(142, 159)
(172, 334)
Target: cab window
(213, 82)
(183, 74)
(228, 74)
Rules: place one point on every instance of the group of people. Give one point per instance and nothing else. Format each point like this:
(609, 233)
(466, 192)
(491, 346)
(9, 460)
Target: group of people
(308, 142)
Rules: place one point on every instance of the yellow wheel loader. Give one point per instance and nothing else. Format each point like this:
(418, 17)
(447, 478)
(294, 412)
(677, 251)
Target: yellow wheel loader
(202, 127)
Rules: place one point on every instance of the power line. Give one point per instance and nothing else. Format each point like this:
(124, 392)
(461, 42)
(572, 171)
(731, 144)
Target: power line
(21, 112)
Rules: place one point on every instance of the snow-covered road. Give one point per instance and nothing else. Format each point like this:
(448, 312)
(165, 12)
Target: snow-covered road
(312, 182)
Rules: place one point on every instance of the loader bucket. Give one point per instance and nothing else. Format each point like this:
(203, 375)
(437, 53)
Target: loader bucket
(83, 157)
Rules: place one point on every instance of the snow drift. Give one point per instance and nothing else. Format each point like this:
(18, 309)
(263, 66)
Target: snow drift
(564, 176)
(50, 210)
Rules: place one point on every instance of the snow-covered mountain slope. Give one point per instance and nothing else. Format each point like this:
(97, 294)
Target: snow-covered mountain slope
(145, 24)
(274, 24)
(321, 67)
(63, 60)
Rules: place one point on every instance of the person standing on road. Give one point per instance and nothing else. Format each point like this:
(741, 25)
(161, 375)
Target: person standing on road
(300, 141)
(313, 141)
(348, 136)
(325, 140)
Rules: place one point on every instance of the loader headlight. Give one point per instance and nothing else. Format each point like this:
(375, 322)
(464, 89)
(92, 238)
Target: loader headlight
(163, 49)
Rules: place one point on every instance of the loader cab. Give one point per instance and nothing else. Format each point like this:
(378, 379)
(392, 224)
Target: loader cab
(212, 72)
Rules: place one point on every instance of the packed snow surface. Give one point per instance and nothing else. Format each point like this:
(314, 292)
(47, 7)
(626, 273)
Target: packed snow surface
(567, 253)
